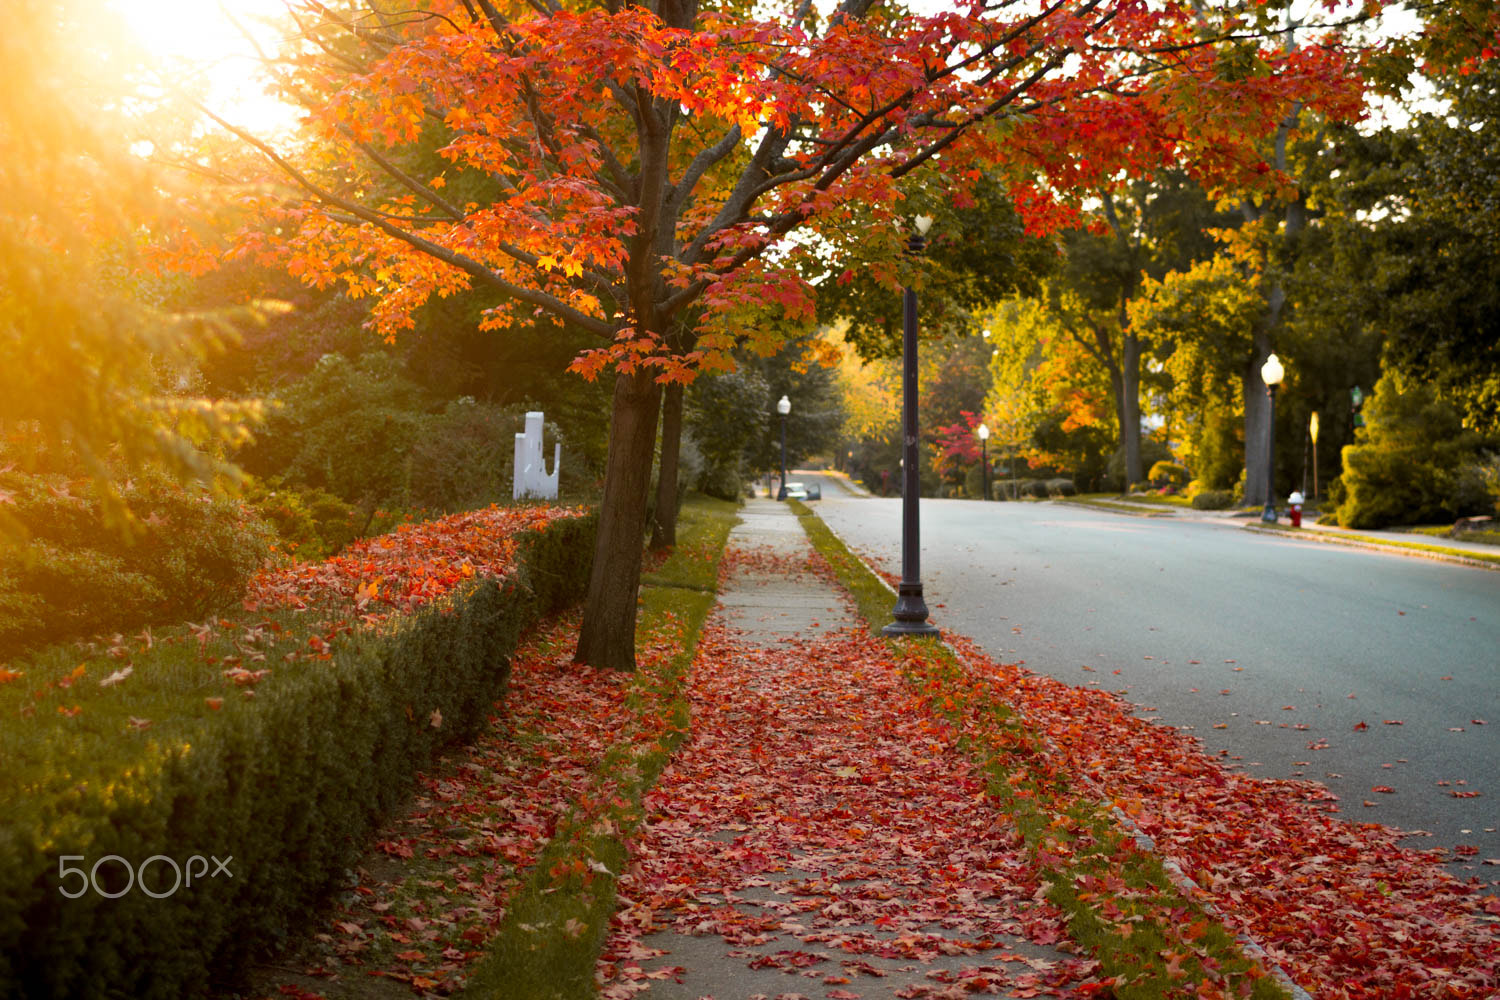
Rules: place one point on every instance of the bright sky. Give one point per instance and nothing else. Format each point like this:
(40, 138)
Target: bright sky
(199, 38)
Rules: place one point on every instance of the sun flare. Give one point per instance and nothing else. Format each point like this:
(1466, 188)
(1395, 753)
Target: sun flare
(218, 44)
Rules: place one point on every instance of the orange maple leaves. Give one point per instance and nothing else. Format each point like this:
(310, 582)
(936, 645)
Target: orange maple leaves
(612, 170)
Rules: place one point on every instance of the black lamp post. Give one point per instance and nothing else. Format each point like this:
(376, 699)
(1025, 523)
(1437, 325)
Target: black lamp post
(783, 407)
(1271, 374)
(910, 611)
(984, 456)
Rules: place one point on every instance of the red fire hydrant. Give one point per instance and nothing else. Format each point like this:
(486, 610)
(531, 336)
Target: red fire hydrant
(1295, 511)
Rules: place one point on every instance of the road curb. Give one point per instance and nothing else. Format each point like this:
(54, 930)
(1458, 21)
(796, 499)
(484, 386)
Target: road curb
(1325, 538)
(1303, 534)
(1109, 506)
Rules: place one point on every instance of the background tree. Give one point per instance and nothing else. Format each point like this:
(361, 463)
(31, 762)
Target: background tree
(1205, 317)
(1153, 226)
(727, 420)
(1431, 260)
(90, 364)
(812, 427)
(1047, 403)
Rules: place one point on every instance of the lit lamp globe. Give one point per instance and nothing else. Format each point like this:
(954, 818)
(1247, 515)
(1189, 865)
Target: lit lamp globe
(783, 407)
(1271, 373)
(984, 452)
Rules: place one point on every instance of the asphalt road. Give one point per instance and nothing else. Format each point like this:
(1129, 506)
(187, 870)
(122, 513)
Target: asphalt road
(1287, 645)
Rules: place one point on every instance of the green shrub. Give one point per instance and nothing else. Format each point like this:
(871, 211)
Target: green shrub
(311, 523)
(1015, 489)
(465, 456)
(1405, 467)
(189, 555)
(1061, 488)
(288, 782)
(1213, 500)
(974, 483)
(1152, 451)
(347, 427)
(1168, 473)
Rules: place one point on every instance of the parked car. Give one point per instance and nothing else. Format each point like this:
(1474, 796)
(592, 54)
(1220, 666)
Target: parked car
(796, 491)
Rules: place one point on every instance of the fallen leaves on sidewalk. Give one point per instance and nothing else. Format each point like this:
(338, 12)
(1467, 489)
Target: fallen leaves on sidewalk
(816, 804)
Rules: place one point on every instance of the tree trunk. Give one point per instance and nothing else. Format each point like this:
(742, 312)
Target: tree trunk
(607, 636)
(664, 524)
(1257, 425)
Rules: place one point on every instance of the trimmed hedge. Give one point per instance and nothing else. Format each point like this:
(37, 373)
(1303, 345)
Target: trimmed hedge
(288, 782)
(1213, 500)
(1167, 472)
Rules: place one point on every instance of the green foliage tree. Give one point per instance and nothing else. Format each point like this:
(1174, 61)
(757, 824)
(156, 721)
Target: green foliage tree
(727, 419)
(1153, 227)
(88, 365)
(977, 253)
(1430, 259)
(1205, 317)
(1408, 466)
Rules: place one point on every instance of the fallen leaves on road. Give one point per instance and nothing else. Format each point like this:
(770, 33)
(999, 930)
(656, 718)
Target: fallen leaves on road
(1340, 905)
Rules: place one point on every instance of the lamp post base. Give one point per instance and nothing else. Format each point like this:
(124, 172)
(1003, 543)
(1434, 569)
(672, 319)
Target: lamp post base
(1268, 515)
(910, 613)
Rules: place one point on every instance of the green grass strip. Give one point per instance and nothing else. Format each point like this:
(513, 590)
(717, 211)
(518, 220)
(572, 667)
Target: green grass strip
(1120, 903)
(1343, 537)
(1446, 531)
(871, 595)
(557, 922)
(1116, 506)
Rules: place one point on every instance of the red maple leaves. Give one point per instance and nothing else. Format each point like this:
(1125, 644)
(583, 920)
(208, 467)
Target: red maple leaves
(1345, 909)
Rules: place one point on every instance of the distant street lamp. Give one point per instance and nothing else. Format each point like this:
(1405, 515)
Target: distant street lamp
(1312, 430)
(783, 407)
(984, 456)
(910, 611)
(1271, 374)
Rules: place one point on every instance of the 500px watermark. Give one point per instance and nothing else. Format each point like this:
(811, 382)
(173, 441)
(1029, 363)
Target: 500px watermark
(135, 876)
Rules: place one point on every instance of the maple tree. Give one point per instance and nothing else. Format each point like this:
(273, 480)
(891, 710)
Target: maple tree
(637, 172)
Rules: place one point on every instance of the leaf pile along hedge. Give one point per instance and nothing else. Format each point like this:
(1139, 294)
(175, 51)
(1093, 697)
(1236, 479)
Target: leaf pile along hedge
(555, 926)
(277, 739)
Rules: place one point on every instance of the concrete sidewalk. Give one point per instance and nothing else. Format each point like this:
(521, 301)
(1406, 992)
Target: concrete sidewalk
(769, 610)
